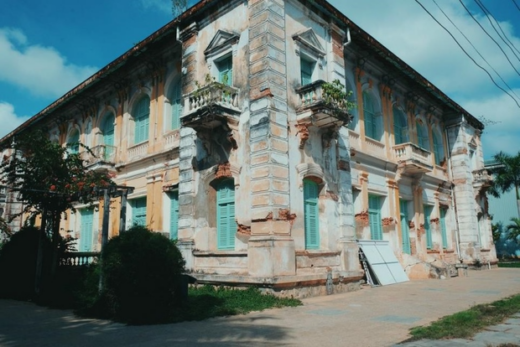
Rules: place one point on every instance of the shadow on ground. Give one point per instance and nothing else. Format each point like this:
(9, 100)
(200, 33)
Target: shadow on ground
(25, 324)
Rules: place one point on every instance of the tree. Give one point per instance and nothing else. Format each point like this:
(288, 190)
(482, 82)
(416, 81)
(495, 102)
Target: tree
(506, 175)
(49, 179)
(514, 229)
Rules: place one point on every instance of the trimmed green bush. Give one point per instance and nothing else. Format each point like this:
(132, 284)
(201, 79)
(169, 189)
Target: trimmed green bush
(141, 277)
(18, 263)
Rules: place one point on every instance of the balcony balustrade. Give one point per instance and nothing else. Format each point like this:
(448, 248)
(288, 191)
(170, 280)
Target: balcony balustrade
(319, 111)
(211, 106)
(412, 158)
(100, 157)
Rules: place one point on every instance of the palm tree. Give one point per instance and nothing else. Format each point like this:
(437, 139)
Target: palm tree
(514, 229)
(506, 175)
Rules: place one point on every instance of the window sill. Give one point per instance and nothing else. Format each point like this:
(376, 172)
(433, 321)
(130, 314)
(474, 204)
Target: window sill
(317, 253)
(223, 253)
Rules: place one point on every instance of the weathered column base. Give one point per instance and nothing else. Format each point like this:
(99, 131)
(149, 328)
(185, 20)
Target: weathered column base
(349, 255)
(186, 247)
(270, 256)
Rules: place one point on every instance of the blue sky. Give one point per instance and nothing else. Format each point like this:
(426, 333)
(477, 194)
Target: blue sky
(48, 47)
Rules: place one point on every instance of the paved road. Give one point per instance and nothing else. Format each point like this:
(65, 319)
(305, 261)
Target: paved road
(370, 317)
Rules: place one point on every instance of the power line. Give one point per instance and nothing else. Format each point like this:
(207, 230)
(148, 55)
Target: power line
(469, 56)
(491, 37)
(518, 7)
(475, 48)
(500, 27)
(487, 13)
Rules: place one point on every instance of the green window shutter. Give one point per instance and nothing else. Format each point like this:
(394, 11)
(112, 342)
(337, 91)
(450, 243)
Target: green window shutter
(369, 111)
(311, 211)
(74, 141)
(427, 226)
(438, 149)
(139, 211)
(422, 136)
(225, 69)
(108, 135)
(405, 232)
(142, 119)
(443, 228)
(374, 216)
(400, 126)
(226, 223)
(176, 102)
(86, 229)
(307, 67)
(174, 215)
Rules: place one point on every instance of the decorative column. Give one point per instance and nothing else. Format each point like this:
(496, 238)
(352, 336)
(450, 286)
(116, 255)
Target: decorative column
(187, 152)
(271, 247)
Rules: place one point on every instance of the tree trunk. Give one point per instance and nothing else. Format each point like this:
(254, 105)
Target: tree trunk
(55, 241)
(39, 256)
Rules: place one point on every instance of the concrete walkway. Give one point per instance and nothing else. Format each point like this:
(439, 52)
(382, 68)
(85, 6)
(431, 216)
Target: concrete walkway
(370, 317)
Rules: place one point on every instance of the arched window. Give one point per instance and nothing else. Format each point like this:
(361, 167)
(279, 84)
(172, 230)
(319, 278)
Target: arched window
(400, 126)
(422, 135)
(108, 135)
(73, 142)
(438, 148)
(311, 212)
(174, 215)
(142, 119)
(176, 104)
(352, 124)
(226, 224)
(88, 133)
(372, 120)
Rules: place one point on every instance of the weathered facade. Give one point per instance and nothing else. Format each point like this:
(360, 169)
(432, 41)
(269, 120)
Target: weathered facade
(219, 122)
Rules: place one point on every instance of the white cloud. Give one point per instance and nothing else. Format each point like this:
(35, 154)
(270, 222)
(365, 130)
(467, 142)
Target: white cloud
(161, 5)
(408, 31)
(43, 71)
(8, 119)
(504, 135)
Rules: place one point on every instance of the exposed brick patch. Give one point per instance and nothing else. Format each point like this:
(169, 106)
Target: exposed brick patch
(344, 165)
(303, 131)
(223, 170)
(434, 221)
(411, 224)
(255, 94)
(285, 214)
(362, 218)
(332, 195)
(387, 221)
(459, 181)
(243, 229)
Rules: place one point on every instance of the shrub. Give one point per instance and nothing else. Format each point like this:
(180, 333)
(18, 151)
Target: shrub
(142, 274)
(18, 263)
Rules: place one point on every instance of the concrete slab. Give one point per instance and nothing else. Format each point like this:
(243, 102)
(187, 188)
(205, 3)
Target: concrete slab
(349, 319)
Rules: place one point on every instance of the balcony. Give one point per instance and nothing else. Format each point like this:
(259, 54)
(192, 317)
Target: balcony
(211, 106)
(315, 109)
(412, 159)
(102, 157)
(481, 178)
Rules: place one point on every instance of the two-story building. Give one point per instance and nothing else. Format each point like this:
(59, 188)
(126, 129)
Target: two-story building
(219, 122)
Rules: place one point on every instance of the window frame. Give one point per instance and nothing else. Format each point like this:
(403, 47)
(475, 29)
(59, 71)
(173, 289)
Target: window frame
(226, 224)
(141, 115)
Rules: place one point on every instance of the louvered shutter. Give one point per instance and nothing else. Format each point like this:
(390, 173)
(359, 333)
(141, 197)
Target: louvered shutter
(405, 232)
(142, 119)
(370, 121)
(108, 136)
(438, 149)
(226, 224)
(311, 210)
(87, 224)
(443, 228)
(427, 227)
(176, 102)
(374, 215)
(307, 68)
(139, 212)
(400, 127)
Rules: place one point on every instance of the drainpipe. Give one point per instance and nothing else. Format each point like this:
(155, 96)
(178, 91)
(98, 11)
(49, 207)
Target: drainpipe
(349, 39)
(453, 198)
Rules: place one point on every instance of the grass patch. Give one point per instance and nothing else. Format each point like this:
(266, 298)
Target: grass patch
(509, 264)
(467, 323)
(207, 301)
